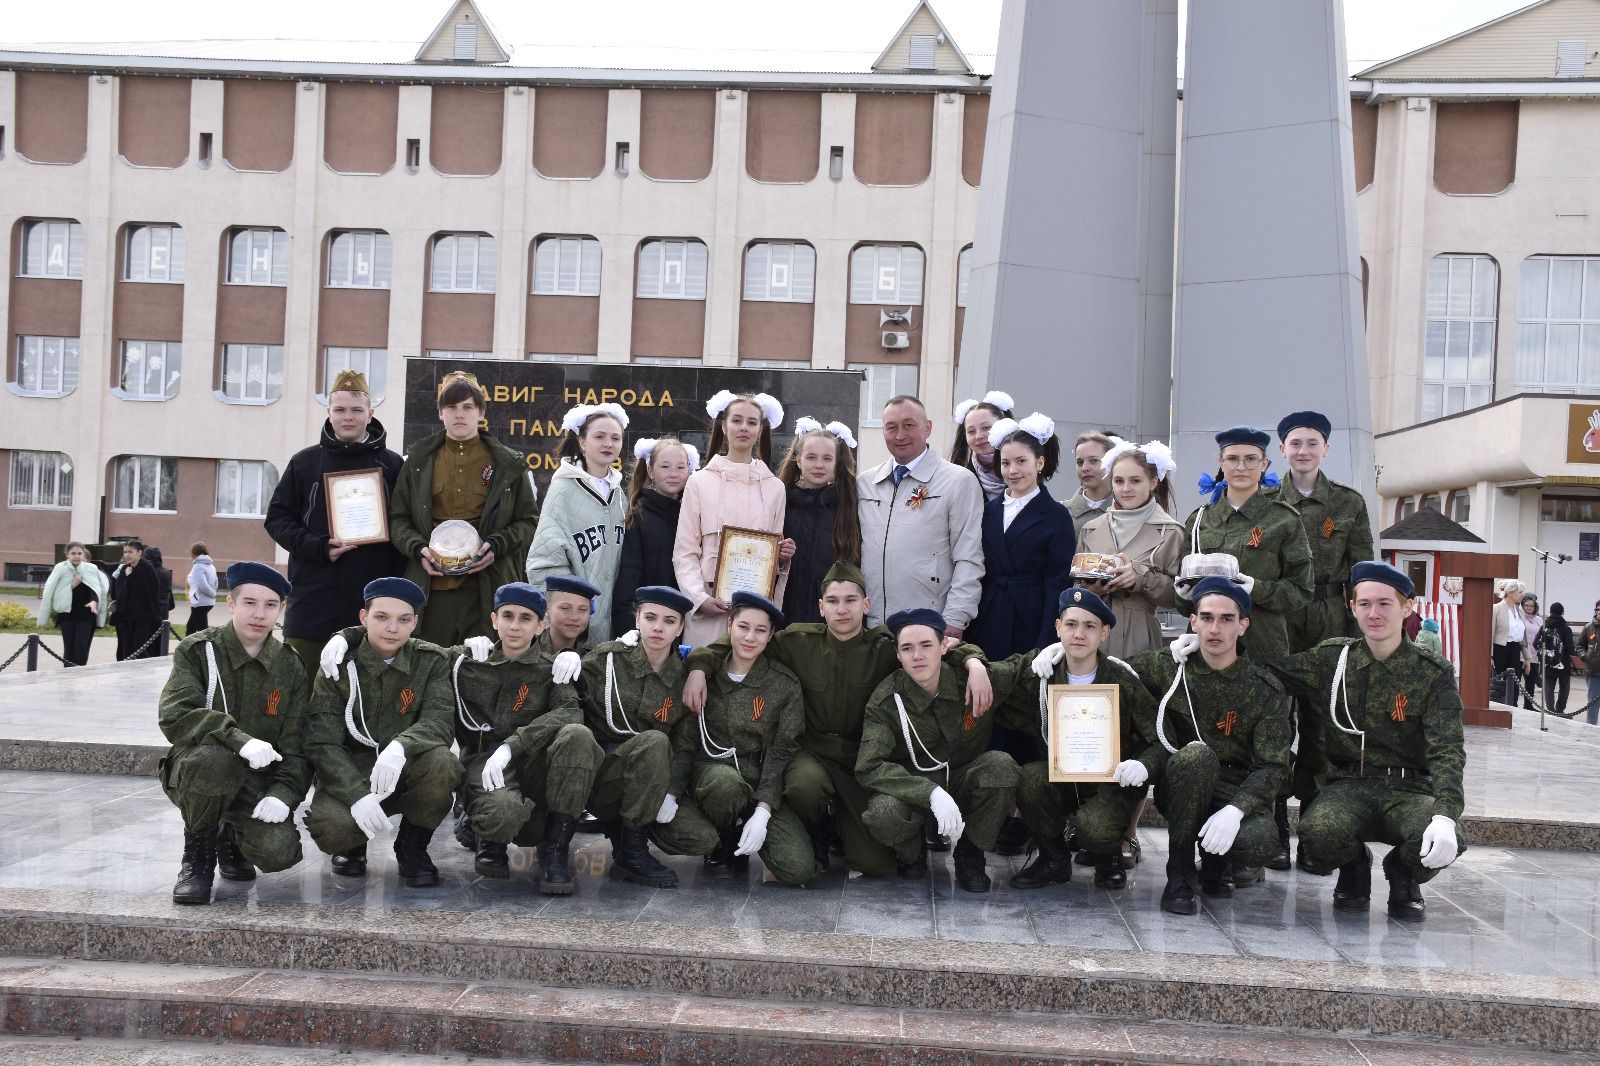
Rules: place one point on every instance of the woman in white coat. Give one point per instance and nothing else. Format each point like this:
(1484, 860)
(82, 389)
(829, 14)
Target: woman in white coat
(74, 598)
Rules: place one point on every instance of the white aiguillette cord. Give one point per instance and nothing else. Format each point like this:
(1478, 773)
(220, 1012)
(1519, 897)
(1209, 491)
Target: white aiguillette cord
(712, 749)
(626, 729)
(908, 731)
(214, 680)
(356, 705)
(466, 716)
(1161, 711)
(1337, 691)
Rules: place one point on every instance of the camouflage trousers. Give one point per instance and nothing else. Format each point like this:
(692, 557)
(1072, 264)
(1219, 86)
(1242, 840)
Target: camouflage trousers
(985, 789)
(719, 800)
(1317, 621)
(1351, 811)
(423, 797)
(1099, 813)
(1193, 788)
(632, 780)
(557, 778)
(812, 784)
(210, 785)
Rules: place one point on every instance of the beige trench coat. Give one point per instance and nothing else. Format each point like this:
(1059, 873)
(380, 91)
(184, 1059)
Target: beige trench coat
(1156, 550)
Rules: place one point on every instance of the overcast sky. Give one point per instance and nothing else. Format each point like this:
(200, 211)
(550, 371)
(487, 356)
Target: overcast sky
(834, 34)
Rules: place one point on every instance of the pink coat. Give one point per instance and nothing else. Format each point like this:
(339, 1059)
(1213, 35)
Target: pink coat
(747, 495)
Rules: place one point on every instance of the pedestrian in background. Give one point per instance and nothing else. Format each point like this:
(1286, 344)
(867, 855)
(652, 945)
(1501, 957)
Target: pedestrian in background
(202, 589)
(135, 604)
(75, 598)
(1589, 651)
(1507, 631)
(1532, 626)
(1555, 646)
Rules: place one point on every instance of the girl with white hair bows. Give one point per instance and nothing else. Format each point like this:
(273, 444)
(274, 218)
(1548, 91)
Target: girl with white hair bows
(661, 468)
(972, 449)
(820, 516)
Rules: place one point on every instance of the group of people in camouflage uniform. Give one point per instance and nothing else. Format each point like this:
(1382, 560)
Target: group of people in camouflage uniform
(805, 741)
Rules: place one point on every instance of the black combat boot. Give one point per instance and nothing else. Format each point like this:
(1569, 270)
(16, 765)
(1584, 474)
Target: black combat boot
(1245, 876)
(822, 835)
(1353, 890)
(1405, 895)
(1014, 838)
(1178, 896)
(631, 859)
(917, 868)
(463, 831)
(352, 863)
(1052, 866)
(492, 860)
(411, 855)
(555, 855)
(1280, 860)
(933, 839)
(1216, 876)
(1109, 871)
(969, 863)
(230, 863)
(198, 869)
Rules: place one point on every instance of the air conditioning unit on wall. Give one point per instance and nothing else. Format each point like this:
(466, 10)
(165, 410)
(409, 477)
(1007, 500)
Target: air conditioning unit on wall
(895, 340)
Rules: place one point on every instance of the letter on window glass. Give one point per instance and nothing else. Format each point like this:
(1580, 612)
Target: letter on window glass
(886, 280)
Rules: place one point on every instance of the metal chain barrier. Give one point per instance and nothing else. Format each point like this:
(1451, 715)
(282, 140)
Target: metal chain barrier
(48, 650)
(35, 643)
(16, 654)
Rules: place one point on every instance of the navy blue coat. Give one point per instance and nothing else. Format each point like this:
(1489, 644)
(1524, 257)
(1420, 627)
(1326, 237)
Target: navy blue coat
(1025, 569)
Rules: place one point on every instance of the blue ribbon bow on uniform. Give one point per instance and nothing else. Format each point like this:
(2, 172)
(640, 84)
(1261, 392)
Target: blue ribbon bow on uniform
(1215, 487)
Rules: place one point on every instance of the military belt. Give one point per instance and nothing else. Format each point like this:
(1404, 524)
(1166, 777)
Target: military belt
(1392, 773)
(1332, 590)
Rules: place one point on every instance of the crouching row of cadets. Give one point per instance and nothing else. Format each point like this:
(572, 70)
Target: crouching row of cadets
(772, 739)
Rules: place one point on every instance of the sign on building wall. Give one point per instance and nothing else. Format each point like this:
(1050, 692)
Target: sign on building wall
(1583, 433)
(527, 400)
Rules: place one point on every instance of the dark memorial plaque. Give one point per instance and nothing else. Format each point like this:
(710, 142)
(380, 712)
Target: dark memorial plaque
(527, 400)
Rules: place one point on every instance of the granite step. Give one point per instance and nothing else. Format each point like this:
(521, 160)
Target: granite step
(821, 970)
(77, 1051)
(249, 1006)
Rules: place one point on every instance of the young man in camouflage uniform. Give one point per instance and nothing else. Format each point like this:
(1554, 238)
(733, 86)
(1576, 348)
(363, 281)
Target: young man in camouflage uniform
(839, 661)
(632, 691)
(1223, 724)
(379, 736)
(524, 747)
(234, 709)
(1100, 813)
(1388, 748)
(924, 752)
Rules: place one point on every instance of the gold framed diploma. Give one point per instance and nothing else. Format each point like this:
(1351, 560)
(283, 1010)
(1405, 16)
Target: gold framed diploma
(358, 506)
(1084, 723)
(747, 561)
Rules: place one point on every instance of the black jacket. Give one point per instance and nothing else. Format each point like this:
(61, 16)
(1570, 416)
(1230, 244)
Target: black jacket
(327, 596)
(646, 556)
(1556, 643)
(136, 597)
(163, 579)
(808, 521)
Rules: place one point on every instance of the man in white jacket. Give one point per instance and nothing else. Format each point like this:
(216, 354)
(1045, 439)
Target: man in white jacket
(921, 525)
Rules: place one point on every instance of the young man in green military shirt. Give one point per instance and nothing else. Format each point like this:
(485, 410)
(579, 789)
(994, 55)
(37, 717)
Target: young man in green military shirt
(1223, 726)
(379, 735)
(234, 709)
(839, 662)
(1099, 813)
(1388, 748)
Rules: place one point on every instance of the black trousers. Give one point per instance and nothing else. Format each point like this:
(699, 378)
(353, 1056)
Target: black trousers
(199, 618)
(1557, 683)
(132, 637)
(75, 639)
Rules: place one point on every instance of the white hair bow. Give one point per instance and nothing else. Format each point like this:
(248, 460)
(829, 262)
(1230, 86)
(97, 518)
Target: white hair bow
(645, 447)
(1002, 429)
(1040, 427)
(575, 417)
(771, 409)
(994, 398)
(1156, 454)
(806, 424)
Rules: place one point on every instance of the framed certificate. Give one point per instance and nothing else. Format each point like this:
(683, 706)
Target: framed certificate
(746, 562)
(358, 506)
(1085, 727)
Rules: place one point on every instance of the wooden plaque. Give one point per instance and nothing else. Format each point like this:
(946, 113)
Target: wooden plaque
(747, 561)
(358, 506)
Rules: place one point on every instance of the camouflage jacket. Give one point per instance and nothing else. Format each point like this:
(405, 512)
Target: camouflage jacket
(641, 699)
(759, 718)
(512, 701)
(1136, 710)
(1266, 537)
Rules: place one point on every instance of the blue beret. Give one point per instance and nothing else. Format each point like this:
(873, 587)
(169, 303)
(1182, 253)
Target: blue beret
(566, 583)
(1305, 420)
(1373, 571)
(1221, 586)
(1244, 435)
(920, 616)
(1088, 601)
(520, 594)
(664, 595)
(258, 574)
(760, 603)
(394, 588)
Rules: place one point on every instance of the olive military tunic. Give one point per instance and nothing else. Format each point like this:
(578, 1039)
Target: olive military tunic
(1339, 533)
(408, 700)
(260, 698)
(630, 709)
(1266, 537)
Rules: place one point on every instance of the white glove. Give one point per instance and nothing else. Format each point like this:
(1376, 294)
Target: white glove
(333, 655)
(1439, 843)
(1246, 582)
(1216, 836)
(271, 809)
(669, 809)
(755, 832)
(946, 813)
(1185, 645)
(479, 648)
(1044, 664)
(567, 667)
(494, 770)
(258, 753)
(386, 771)
(369, 816)
(1130, 773)
(630, 638)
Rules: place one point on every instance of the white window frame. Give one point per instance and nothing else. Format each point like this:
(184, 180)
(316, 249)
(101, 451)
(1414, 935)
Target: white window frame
(266, 252)
(170, 368)
(50, 248)
(666, 360)
(466, 42)
(236, 476)
(1540, 323)
(672, 268)
(928, 45)
(448, 248)
(47, 476)
(451, 353)
(566, 266)
(561, 357)
(337, 359)
(902, 266)
(153, 253)
(881, 383)
(368, 259)
(240, 390)
(780, 272)
(46, 367)
(1461, 306)
(142, 469)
